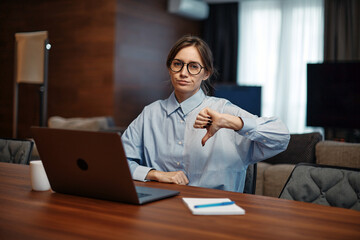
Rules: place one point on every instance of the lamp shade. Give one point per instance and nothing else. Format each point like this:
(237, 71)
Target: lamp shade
(30, 47)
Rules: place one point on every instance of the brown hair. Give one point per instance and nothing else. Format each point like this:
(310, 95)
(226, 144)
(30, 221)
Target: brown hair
(205, 54)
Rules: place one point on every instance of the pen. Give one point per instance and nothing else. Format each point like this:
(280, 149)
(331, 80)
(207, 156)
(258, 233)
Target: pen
(214, 204)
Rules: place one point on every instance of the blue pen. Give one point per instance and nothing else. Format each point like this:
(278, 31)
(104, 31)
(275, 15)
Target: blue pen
(214, 204)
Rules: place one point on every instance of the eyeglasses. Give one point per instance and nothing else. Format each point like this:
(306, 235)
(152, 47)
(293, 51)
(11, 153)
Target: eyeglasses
(193, 68)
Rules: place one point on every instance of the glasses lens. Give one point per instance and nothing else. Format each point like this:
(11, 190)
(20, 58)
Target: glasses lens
(176, 65)
(194, 68)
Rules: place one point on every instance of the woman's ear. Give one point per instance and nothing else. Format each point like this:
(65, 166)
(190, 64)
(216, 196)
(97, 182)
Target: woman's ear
(206, 76)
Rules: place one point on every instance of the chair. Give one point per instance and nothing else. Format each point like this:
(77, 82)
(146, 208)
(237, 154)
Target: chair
(15, 151)
(325, 185)
(31, 67)
(273, 172)
(250, 179)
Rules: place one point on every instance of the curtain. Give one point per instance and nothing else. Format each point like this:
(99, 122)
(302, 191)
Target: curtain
(342, 30)
(221, 33)
(341, 43)
(277, 40)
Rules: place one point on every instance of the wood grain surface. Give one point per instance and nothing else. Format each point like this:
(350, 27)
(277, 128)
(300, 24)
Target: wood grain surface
(26, 214)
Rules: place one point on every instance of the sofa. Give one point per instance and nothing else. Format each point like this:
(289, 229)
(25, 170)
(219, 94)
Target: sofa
(89, 124)
(272, 175)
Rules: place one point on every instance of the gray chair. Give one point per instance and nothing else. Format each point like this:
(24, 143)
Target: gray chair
(15, 151)
(325, 185)
(250, 179)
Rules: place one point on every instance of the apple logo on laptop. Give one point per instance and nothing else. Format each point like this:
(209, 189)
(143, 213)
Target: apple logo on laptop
(82, 164)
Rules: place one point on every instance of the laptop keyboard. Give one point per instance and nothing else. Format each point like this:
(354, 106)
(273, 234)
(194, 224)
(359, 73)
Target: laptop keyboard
(141, 195)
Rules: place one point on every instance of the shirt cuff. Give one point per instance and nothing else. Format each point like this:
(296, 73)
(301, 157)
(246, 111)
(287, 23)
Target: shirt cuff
(140, 173)
(249, 126)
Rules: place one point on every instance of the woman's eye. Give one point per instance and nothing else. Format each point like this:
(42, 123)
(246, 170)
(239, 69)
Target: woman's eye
(194, 66)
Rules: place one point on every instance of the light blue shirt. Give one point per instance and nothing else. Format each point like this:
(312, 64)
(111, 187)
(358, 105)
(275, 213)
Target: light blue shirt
(162, 137)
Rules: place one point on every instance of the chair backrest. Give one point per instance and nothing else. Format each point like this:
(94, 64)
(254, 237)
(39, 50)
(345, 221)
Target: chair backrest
(301, 148)
(325, 185)
(250, 179)
(15, 151)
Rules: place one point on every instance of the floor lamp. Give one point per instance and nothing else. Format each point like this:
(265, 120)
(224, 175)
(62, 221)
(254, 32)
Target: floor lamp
(31, 66)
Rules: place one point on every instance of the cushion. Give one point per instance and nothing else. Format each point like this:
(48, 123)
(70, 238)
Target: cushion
(338, 154)
(261, 167)
(301, 148)
(275, 177)
(90, 124)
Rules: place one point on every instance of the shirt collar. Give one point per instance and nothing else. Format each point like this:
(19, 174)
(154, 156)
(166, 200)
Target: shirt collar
(186, 106)
(172, 104)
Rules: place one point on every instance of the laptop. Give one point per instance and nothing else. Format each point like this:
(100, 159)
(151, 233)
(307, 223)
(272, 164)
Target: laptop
(91, 164)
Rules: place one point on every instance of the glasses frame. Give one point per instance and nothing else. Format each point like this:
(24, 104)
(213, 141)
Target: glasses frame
(187, 66)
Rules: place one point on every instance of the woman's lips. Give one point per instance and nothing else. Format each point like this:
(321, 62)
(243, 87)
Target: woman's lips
(182, 82)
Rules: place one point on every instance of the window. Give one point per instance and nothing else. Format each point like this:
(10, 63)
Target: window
(277, 38)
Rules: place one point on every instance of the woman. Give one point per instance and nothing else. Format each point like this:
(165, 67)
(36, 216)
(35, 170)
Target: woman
(194, 139)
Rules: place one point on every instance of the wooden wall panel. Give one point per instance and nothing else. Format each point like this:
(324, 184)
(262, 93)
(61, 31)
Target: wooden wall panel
(80, 63)
(88, 75)
(145, 32)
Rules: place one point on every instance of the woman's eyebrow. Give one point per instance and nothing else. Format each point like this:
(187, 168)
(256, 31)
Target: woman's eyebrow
(191, 61)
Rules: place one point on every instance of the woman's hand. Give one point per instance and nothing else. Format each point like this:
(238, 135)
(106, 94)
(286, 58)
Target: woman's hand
(177, 177)
(210, 120)
(214, 121)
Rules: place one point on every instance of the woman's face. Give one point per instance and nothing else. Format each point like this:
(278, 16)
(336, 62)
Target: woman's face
(186, 84)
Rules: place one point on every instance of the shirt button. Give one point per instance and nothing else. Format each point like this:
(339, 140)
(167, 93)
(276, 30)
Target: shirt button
(180, 142)
(178, 163)
(181, 121)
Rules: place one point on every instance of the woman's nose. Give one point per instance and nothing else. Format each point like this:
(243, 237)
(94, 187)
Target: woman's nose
(184, 71)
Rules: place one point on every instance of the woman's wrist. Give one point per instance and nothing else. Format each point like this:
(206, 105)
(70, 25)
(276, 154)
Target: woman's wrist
(231, 122)
(151, 175)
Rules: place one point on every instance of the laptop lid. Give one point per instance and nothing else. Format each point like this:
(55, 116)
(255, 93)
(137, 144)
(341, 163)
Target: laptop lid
(91, 164)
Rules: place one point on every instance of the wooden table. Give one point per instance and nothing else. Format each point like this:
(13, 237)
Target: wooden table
(26, 214)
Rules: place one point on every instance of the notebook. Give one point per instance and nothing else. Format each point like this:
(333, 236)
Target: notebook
(211, 206)
(91, 164)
